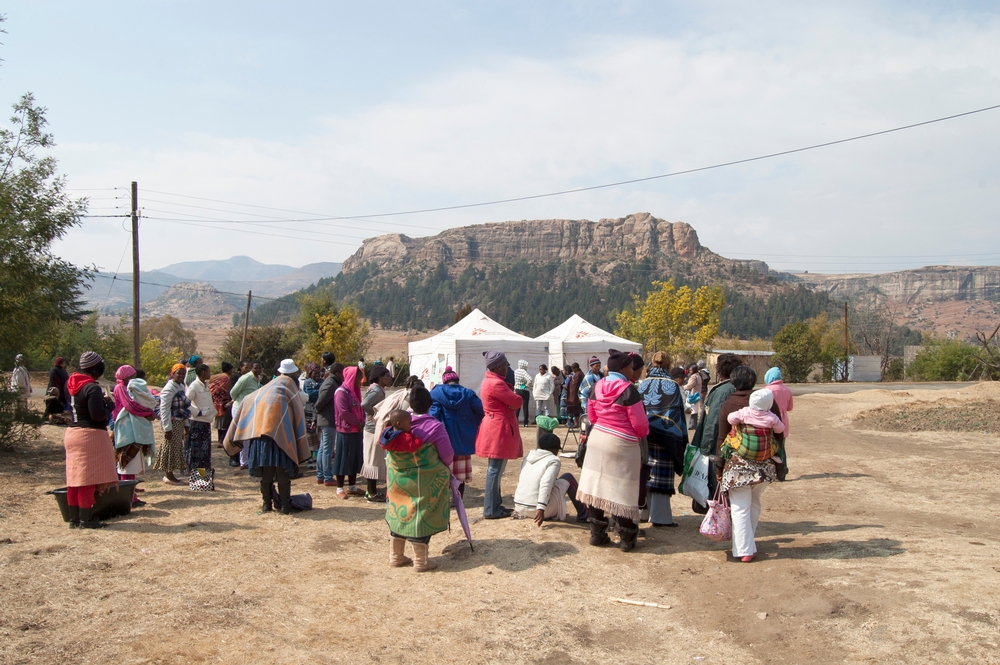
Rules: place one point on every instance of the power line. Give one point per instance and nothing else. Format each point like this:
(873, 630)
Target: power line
(117, 270)
(258, 233)
(180, 285)
(634, 180)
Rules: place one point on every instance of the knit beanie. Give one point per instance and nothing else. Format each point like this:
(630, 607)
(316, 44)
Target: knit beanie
(449, 375)
(494, 359)
(89, 359)
(594, 360)
(618, 360)
(761, 400)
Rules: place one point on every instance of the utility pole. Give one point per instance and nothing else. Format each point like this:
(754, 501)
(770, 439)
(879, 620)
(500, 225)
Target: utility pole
(847, 345)
(135, 275)
(246, 323)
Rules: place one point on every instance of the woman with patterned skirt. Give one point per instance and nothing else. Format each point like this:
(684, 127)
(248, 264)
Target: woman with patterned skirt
(175, 409)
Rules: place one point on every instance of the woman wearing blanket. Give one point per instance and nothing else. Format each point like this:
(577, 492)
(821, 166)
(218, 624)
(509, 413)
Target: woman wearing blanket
(609, 480)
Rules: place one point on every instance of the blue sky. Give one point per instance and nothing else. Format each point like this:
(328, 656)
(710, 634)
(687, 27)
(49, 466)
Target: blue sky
(345, 110)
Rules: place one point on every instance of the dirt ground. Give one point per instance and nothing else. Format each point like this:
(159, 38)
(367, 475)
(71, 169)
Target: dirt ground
(880, 547)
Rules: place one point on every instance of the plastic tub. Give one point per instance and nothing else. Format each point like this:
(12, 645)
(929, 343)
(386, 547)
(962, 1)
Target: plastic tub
(113, 503)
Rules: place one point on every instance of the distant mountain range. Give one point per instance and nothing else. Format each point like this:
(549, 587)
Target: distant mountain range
(237, 275)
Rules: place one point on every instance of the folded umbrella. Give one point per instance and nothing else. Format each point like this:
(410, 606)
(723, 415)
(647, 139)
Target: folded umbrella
(456, 499)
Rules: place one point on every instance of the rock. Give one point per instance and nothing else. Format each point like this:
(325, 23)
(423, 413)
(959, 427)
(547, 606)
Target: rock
(761, 615)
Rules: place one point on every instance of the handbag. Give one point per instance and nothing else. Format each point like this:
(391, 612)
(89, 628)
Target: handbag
(202, 480)
(298, 501)
(718, 522)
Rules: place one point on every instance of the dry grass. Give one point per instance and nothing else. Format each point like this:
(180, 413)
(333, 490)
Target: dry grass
(869, 553)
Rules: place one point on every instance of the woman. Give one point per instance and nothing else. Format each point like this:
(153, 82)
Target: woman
(557, 390)
(219, 387)
(135, 444)
(57, 379)
(271, 424)
(348, 456)
(90, 460)
(198, 441)
(499, 438)
(609, 480)
(175, 409)
(664, 404)
(783, 398)
(744, 479)
(708, 425)
(310, 388)
(693, 387)
(460, 411)
(574, 408)
(326, 421)
(419, 481)
(373, 468)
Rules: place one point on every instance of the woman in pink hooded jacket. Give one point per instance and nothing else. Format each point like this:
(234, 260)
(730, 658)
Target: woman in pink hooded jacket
(609, 480)
(348, 456)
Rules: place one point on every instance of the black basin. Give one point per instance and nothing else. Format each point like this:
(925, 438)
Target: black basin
(114, 502)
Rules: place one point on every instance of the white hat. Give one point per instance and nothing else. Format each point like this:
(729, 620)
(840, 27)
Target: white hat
(287, 366)
(761, 400)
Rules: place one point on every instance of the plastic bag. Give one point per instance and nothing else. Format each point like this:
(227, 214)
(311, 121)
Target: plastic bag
(694, 481)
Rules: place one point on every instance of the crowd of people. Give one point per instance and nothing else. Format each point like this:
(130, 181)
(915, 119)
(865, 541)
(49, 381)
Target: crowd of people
(637, 423)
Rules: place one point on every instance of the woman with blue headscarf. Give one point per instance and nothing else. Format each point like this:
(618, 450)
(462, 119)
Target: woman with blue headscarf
(668, 436)
(783, 398)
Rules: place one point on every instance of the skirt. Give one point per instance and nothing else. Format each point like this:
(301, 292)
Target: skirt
(90, 458)
(374, 462)
(348, 455)
(198, 446)
(264, 452)
(461, 468)
(170, 456)
(609, 480)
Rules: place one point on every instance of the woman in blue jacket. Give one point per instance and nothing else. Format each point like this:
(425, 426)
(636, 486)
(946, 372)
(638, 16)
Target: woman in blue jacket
(461, 411)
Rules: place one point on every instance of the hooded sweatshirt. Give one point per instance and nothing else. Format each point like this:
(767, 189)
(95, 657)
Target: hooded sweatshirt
(87, 402)
(539, 472)
(522, 380)
(615, 407)
(350, 416)
(461, 411)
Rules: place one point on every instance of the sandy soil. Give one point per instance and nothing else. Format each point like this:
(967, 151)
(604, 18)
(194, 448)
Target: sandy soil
(879, 548)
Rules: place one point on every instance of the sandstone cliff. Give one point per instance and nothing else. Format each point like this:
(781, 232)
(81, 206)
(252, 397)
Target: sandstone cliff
(633, 238)
(924, 285)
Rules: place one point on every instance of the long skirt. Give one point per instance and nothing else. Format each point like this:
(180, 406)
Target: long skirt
(198, 446)
(90, 458)
(417, 493)
(374, 463)
(348, 456)
(609, 480)
(264, 452)
(170, 456)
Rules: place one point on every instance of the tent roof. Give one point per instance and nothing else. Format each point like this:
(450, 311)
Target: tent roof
(474, 327)
(578, 329)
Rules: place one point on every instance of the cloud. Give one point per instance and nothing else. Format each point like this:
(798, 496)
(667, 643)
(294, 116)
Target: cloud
(619, 107)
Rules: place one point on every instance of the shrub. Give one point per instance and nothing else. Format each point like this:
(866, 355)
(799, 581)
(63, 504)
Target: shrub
(17, 425)
(945, 360)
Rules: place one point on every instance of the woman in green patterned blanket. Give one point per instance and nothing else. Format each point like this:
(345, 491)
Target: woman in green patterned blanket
(418, 459)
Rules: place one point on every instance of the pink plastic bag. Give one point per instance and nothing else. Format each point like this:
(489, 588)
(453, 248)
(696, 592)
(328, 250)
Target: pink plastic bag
(718, 523)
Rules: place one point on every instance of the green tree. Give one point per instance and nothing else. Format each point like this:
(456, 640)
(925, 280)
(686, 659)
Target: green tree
(268, 344)
(171, 334)
(945, 360)
(37, 290)
(156, 361)
(331, 327)
(797, 346)
(679, 321)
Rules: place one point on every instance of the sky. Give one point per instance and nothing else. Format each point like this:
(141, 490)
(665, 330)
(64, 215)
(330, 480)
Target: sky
(236, 117)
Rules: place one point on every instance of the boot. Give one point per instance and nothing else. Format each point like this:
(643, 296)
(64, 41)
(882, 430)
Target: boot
(598, 532)
(397, 547)
(74, 517)
(421, 563)
(627, 538)
(87, 520)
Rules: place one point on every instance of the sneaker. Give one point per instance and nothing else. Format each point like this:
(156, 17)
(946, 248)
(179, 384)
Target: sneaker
(377, 497)
(319, 481)
(341, 494)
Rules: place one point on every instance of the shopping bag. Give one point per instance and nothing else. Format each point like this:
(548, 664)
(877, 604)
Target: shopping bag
(694, 480)
(202, 480)
(718, 522)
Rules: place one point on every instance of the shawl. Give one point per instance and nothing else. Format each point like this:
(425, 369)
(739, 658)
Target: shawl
(274, 411)
(131, 424)
(418, 497)
(123, 398)
(664, 404)
(219, 388)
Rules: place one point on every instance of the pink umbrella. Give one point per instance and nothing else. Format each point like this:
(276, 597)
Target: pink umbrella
(456, 499)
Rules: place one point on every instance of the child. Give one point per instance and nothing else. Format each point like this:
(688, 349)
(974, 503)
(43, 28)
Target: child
(759, 425)
(418, 459)
(541, 492)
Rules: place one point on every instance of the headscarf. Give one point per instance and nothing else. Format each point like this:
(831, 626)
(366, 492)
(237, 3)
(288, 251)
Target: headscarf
(59, 362)
(618, 360)
(772, 375)
(176, 367)
(494, 359)
(310, 368)
(124, 373)
(89, 360)
(123, 400)
(449, 375)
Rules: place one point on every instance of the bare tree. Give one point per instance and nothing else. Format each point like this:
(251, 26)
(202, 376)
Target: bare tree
(989, 357)
(874, 326)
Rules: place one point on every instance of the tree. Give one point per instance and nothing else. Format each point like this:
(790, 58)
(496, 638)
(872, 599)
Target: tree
(945, 360)
(37, 289)
(171, 334)
(680, 321)
(329, 327)
(798, 348)
(156, 361)
(268, 344)
(874, 327)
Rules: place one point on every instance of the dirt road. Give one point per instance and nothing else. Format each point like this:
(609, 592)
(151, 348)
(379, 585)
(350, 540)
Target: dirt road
(880, 547)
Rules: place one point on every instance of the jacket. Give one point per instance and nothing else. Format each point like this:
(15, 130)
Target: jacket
(539, 472)
(573, 388)
(783, 398)
(461, 412)
(326, 415)
(708, 425)
(245, 385)
(350, 416)
(544, 384)
(166, 402)
(499, 436)
(615, 407)
(87, 404)
(202, 406)
(374, 396)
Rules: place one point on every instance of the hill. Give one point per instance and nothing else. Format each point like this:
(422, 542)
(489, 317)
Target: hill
(192, 302)
(234, 269)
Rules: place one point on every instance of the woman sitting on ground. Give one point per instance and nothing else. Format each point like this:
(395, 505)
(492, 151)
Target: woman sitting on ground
(609, 480)
(90, 460)
(541, 492)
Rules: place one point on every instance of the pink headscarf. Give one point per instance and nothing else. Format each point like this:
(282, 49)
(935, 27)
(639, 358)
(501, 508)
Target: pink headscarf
(122, 399)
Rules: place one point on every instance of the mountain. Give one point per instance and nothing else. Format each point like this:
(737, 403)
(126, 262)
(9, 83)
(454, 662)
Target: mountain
(112, 296)
(193, 301)
(235, 269)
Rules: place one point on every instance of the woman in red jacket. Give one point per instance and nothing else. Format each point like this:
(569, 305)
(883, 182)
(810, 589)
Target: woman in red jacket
(499, 438)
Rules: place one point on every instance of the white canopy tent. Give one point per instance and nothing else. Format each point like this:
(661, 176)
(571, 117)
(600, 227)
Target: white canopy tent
(462, 346)
(576, 340)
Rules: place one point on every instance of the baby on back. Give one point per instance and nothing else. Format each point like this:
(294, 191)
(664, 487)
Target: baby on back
(759, 426)
(397, 437)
